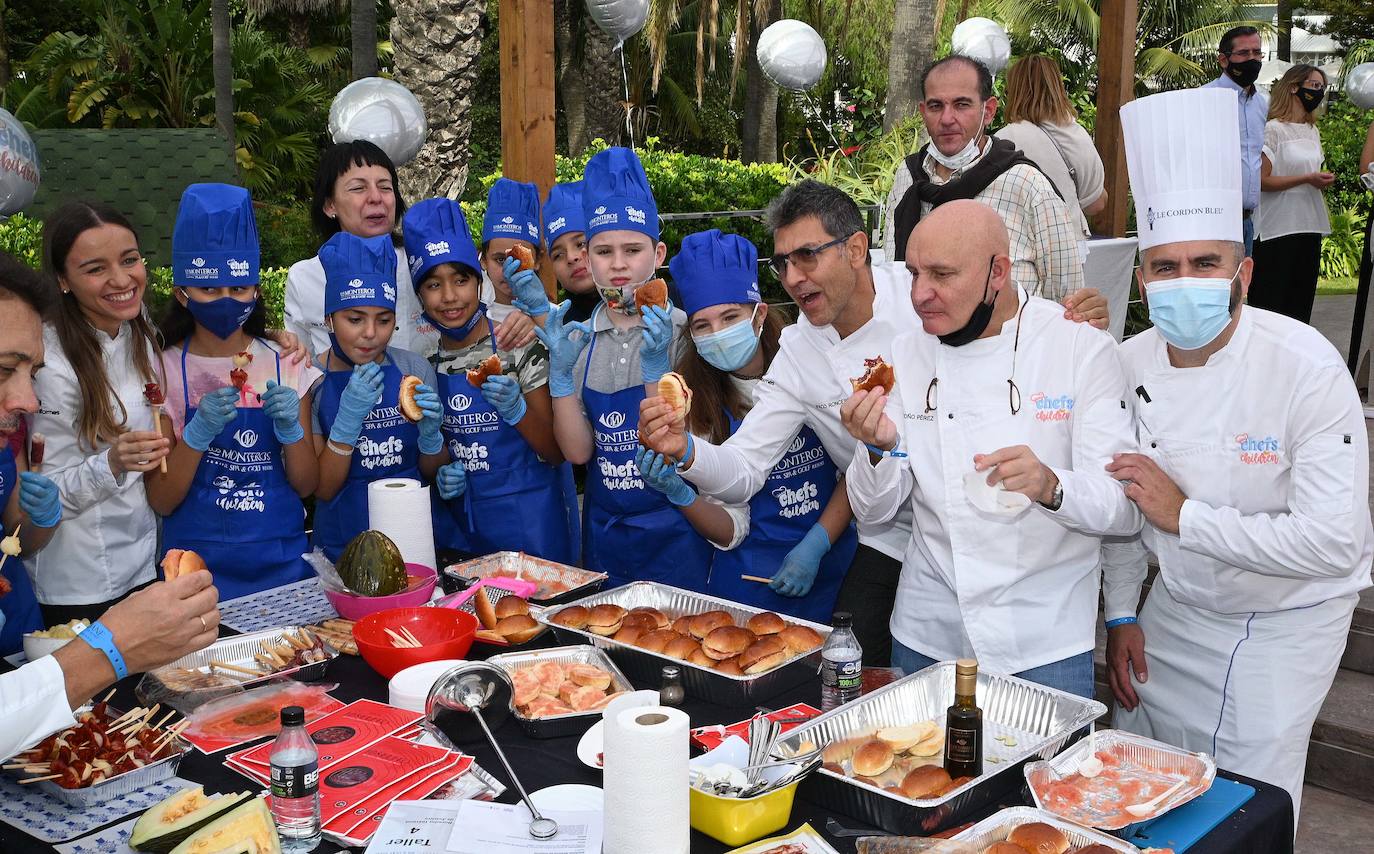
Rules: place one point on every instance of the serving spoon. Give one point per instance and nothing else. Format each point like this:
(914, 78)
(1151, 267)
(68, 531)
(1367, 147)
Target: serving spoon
(1143, 809)
(1091, 766)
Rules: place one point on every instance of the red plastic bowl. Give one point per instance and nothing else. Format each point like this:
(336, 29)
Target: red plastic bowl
(351, 606)
(443, 633)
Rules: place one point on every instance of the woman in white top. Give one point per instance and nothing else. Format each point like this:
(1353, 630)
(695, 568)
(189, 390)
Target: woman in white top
(1292, 214)
(1042, 123)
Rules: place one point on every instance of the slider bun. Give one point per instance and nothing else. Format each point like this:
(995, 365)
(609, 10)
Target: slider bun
(872, 758)
(590, 676)
(925, 781)
(766, 623)
(683, 625)
(640, 620)
(801, 639)
(605, 619)
(1004, 848)
(681, 647)
(660, 620)
(179, 562)
(510, 606)
(701, 659)
(573, 617)
(628, 634)
(486, 612)
(1040, 838)
(727, 642)
(762, 655)
(729, 666)
(518, 628)
(1095, 848)
(903, 738)
(652, 292)
(657, 640)
(708, 621)
(840, 750)
(406, 399)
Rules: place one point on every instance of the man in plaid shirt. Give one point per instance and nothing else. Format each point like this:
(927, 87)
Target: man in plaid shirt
(962, 161)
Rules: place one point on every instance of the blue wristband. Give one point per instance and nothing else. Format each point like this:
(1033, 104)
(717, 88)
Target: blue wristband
(686, 455)
(1120, 621)
(880, 452)
(100, 638)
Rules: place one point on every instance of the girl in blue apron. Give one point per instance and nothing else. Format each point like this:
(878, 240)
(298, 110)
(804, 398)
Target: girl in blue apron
(240, 463)
(35, 509)
(360, 433)
(600, 370)
(504, 490)
(799, 525)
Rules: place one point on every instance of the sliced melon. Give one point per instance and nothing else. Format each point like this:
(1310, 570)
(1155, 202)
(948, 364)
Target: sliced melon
(166, 824)
(247, 829)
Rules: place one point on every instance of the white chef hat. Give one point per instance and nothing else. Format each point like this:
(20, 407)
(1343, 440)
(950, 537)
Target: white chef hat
(1183, 155)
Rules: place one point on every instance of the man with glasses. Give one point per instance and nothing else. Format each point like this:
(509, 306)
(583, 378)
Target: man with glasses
(1241, 56)
(962, 161)
(995, 438)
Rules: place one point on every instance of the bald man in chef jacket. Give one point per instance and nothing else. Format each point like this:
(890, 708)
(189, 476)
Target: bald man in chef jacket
(1253, 474)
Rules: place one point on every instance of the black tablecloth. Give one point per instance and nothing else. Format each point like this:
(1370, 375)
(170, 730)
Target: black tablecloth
(1264, 825)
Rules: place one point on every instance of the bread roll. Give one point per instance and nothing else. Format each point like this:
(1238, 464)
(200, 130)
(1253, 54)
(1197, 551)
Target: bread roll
(708, 621)
(628, 634)
(763, 655)
(486, 612)
(727, 642)
(1040, 838)
(518, 628)
(683, 625)
(681, 648)
(573, 617)
(924, 782)
(877, 375)
(179, 562)
(1004, 848)
(872, 758)
(701, 659)
(766, 623)
(675, 391)
(522, 253)
(490, 367)
(510, 606)
(729, 666)
(1095, 848)
(639, 620)
(652, 292)
(660, 619)
(406, 400)
(801, 639)
(657, 640)
(605, 619)
(589, 675)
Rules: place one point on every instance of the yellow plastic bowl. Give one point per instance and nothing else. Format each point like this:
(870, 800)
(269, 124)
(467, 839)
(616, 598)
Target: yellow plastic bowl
(736, 822)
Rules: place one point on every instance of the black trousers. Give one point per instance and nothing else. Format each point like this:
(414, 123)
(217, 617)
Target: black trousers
(54, 614)
(869, 592)
(1285, 277)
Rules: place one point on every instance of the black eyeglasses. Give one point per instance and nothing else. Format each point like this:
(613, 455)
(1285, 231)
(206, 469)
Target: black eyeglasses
(804, 258)
(1013, 392)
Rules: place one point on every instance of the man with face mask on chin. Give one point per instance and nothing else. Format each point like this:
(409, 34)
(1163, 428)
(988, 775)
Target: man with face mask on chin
(1253, 475)
(1003, 416)
(1241, 56)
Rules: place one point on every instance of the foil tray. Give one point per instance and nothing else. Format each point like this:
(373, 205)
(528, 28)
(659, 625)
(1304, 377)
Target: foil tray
(1140, 758)
(493, 595)
(701, 682)
(997, 826)
(1040, 720)
(578, 582)
(576, 723)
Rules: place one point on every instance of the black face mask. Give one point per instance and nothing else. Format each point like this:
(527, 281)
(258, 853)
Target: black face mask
(1244, 73)
(978, 321)
(1311, 98)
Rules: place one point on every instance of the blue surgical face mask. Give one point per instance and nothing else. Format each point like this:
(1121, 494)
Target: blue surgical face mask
(223, 316)
(1190, 312)
(458, 333)
(731, 348)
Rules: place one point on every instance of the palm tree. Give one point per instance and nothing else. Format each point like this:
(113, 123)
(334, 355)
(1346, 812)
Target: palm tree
(587, 74)
(222, 63)
(298, 14)
(913, 47)
(364, 32)
(435, 45)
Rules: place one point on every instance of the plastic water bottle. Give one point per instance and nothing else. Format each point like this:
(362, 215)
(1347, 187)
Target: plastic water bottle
(296, 784)
(842, 665)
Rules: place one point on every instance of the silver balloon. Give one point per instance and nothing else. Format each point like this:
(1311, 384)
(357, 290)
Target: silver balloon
(619, 18)
(18, 165)
(792, 54)
(382, 112)
(984, 40)
(1359, 85)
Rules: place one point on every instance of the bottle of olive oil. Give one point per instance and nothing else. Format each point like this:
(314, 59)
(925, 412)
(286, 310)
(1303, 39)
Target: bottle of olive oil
(964, 724)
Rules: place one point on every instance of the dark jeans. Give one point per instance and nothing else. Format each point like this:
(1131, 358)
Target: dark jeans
(1073, 674)
(868, 592)
(1285, 277)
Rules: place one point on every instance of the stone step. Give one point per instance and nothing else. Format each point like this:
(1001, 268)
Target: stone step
(1359, 651)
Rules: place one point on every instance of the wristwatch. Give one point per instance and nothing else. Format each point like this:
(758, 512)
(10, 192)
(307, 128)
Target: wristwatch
(1056, 500)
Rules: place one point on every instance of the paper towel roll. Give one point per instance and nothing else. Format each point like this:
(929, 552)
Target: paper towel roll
(634, 699)
(399, 507)
(646, 779)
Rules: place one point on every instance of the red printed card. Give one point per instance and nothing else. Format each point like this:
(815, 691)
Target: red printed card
(378, 769)
(341, 734)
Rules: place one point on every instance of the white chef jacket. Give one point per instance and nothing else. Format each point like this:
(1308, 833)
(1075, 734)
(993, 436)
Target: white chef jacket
(33, 704)
(305, 309)
(805, 385)
(1268, 442)
(107, 541)
(1016, 593)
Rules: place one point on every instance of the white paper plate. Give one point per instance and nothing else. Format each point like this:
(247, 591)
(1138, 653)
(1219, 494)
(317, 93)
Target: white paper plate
(569, 797)
(590, 747)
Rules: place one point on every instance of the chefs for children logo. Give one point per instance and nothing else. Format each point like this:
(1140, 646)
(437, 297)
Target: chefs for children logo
(635, 214)
(389, 291)
(558, 225)
(797, 502)
(437, 247)
(380, 454)
(473, 454)
(1049, 408)
(238, 268)
(245, 498)
(247, 437)
(1258, 452)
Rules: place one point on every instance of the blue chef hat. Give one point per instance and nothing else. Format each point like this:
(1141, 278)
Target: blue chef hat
(713, 268)
(616, 195)
(436, 232)
(215, 241)
(512, 211)
(358, 271)
(563, 212)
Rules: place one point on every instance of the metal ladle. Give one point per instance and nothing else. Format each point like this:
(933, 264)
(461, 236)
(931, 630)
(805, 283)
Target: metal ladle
(459, 697)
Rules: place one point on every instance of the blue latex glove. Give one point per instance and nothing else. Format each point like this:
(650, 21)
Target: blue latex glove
(563, 347)
(38, 497)
(283, 406)
(505, 396)
(213, 414)
(452, 480)
(661, 475)
(799, 568)
(525, 287)
(658, 334)
(363, 391)
(431, 442)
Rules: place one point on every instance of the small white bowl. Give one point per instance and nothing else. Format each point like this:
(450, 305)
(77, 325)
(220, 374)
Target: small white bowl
(36, 647)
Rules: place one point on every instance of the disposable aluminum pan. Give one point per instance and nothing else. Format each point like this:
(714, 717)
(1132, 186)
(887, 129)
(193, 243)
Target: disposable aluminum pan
(1034, 720)
(1139, 758)
(556, 726)
(996, 828)
(495, 595)
(700, 682)
(160, 686)
(575, 582)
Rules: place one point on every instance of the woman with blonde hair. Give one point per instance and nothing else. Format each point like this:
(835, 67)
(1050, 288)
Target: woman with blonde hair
(1042, 123)
(1292, 214)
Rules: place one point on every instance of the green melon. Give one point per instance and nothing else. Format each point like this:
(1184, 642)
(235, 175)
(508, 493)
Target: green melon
(247, 829)
(371, 565)
(169, 822)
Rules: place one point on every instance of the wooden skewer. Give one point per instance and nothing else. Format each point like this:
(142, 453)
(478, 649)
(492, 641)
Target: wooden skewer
(14, 765)
(759, 578)
(167, 717)
(411, 637)
(39, 779)
(234, 667)
(5, 557)
(169, 735)
(397, 640)
(106, 698)
(123, 719)
(157, 425)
